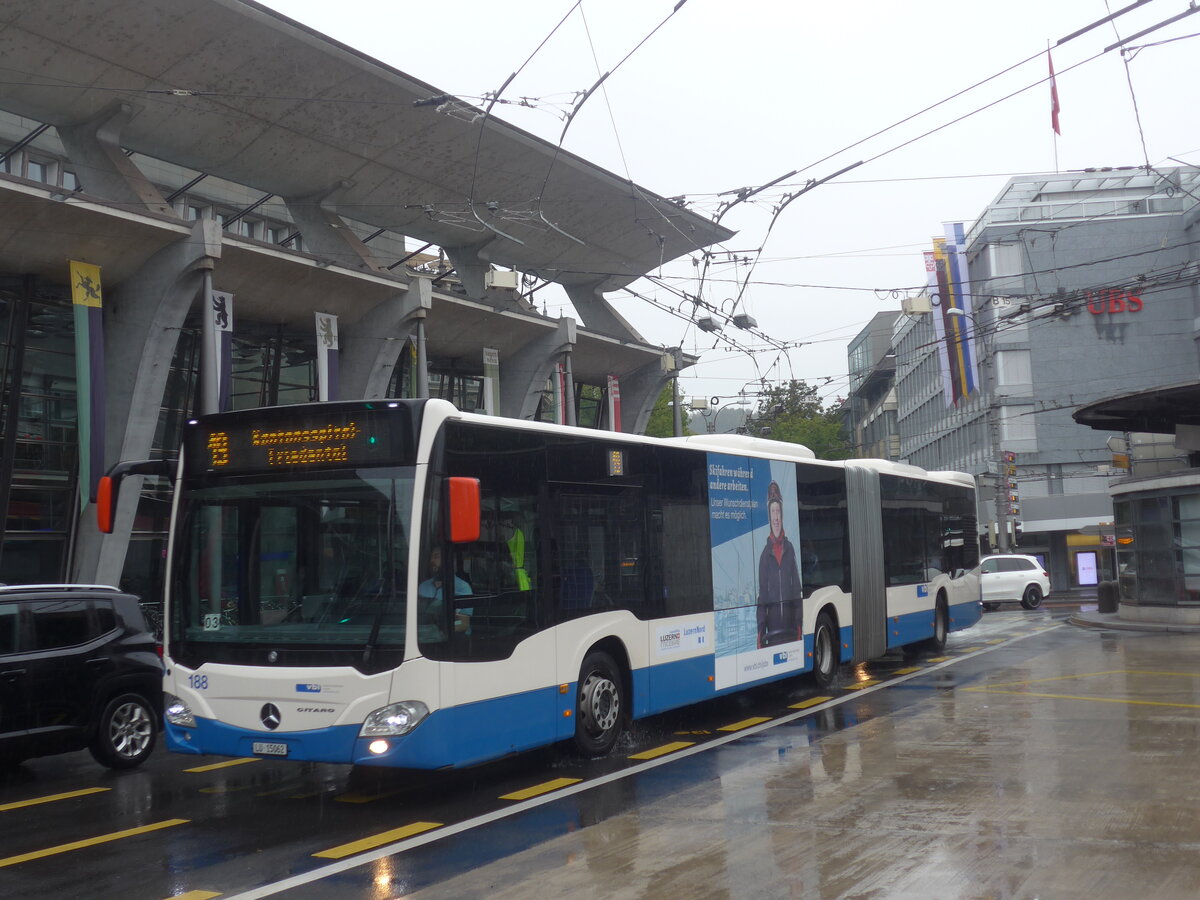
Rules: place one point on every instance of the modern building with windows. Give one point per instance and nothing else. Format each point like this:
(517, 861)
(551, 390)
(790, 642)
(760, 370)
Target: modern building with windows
(217, 161)
(871, 402)
(1082, 285)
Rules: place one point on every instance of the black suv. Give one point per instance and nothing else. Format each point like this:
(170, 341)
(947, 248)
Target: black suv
(78, 668)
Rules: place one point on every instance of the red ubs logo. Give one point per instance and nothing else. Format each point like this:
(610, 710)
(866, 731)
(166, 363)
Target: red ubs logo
(1112, 300)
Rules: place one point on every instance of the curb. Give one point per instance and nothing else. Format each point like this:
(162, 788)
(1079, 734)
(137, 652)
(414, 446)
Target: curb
(1111, 622)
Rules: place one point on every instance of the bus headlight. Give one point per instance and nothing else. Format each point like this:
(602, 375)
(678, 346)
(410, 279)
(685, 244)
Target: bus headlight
(178, 712)
(394, 719)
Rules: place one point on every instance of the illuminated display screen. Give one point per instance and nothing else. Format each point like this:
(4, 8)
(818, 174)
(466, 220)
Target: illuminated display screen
(297, 438)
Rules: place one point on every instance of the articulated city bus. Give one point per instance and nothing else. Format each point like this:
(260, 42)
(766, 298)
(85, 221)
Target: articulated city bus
(398, 583)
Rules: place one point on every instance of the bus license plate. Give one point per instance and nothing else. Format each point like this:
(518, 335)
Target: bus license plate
(260, 748)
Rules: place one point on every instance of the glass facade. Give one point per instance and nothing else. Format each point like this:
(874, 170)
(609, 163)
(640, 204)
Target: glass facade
(38, 455)
(1158, 547)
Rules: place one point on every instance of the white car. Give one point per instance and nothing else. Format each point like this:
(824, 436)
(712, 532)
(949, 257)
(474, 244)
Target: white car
(1013, 577)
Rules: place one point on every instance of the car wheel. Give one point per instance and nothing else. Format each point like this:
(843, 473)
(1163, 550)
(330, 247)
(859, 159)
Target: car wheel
(825, 652)
(125, 734)
(1032, 598)
(599, 706)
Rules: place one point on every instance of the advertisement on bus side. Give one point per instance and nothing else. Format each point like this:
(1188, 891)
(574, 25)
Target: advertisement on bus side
(756, 570)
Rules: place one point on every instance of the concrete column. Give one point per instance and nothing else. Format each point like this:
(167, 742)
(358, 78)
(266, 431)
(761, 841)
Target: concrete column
(371, 345)
(326, 234)
(141, 329)
(470, 267)
(105, 171)
(571, 417)
(523, 373)
(422, 360)
(640, 390)
(598, 314)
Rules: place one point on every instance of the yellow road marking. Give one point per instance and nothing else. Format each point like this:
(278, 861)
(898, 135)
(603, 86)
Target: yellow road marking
(811, 701)
(543, 788)
(51, 798)
(939, 659)
(225, 765)
(1094, 674)
(377, 840)
(998, 641)
(745, 723)
(909, 670)
(870, 682)
(90, 842)
(984, 690)
(663, 750)
(195, 895)
(365, 798)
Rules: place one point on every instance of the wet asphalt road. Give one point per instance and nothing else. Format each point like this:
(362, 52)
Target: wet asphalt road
(1037, 759)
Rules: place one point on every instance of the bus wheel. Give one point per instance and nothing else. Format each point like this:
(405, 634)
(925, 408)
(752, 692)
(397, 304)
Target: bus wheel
(825, 654)
(941, 627)
(600, 708)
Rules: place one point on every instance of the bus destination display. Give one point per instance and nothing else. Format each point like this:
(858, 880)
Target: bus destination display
(357, 438)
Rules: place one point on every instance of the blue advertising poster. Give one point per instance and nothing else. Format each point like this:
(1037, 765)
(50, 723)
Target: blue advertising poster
(756, 572)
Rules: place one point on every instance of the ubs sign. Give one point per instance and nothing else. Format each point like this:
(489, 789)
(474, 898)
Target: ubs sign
(1107, 304)
(1112, 300)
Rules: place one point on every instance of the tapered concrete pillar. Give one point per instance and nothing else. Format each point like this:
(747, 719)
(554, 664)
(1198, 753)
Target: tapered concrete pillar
(640, 390)
(105, 171)
(523, 375)
(141, 329)
(371, 346)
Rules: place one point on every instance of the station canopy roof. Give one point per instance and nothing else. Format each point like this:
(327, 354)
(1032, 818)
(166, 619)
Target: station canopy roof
(1155, 411)
(238, 91)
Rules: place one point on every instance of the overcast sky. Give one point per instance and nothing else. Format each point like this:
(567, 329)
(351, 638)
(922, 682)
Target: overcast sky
(731, 95)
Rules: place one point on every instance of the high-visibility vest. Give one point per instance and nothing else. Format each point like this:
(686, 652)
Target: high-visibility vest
(516, 550)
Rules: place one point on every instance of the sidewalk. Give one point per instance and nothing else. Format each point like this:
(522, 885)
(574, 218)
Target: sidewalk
(1089, 615)
(1090, 618)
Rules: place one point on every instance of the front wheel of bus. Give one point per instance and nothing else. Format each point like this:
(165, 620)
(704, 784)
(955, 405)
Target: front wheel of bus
(600, 707)
(825, 655)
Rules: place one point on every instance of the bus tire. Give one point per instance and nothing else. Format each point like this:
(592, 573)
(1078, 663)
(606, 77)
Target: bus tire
(600, 706)
(825, 651)
(941, 627)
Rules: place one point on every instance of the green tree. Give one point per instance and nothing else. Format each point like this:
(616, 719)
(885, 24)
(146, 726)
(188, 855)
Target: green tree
(662, 417)
(793, 412)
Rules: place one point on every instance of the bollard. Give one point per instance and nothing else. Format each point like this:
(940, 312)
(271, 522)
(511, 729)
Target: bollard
(1107, 593)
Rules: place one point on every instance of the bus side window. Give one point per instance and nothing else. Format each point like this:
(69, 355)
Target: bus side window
(503, 565)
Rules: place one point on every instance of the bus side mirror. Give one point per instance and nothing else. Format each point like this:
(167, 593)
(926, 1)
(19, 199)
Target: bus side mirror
(110, 485)
(462, 505)
(106, 506)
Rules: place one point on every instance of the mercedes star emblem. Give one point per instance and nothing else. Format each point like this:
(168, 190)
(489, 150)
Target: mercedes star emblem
(270, 716)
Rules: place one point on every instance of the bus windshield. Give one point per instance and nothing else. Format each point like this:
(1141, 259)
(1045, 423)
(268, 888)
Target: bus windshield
(292, 563)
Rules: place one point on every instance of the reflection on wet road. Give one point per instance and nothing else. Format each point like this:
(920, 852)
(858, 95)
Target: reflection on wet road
(1034, 759)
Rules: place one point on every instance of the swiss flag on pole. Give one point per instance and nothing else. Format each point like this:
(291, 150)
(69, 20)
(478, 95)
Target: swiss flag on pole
(1053, 96)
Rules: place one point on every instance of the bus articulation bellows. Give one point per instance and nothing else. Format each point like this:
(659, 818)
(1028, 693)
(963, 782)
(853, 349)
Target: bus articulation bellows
(398, 583)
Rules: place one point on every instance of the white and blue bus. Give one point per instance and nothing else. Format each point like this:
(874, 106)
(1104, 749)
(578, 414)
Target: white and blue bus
(398, 583)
